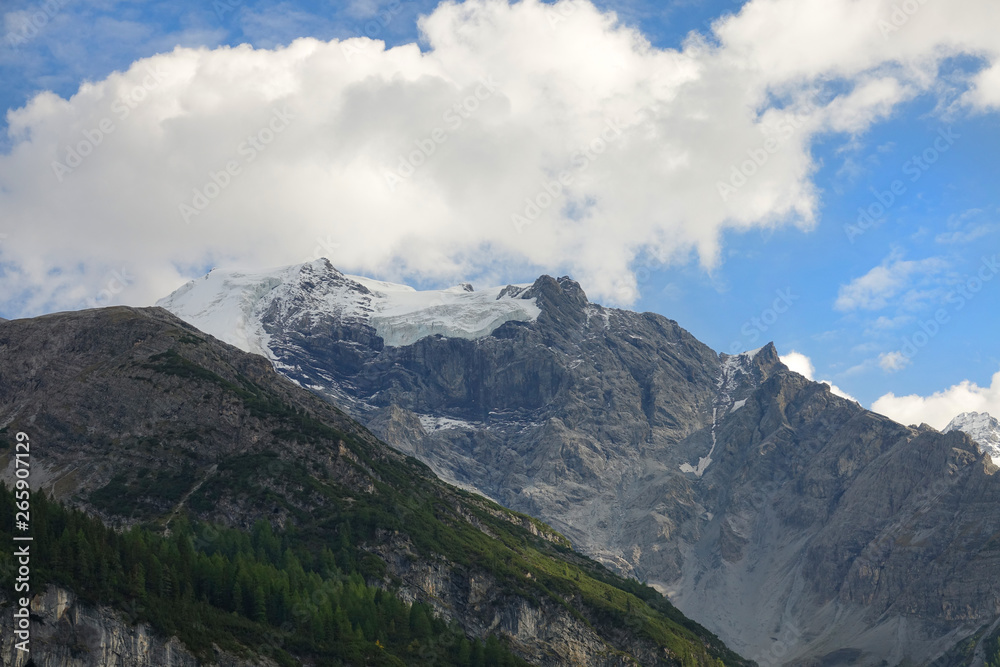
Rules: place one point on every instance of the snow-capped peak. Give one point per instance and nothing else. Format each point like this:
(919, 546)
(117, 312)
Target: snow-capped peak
(231, 305)
(984, 430)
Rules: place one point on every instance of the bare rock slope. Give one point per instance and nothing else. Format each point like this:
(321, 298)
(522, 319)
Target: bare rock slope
(794, 523)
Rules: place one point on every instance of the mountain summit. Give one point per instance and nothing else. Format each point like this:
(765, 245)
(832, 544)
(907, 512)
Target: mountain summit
(983, 428)
(232, 305)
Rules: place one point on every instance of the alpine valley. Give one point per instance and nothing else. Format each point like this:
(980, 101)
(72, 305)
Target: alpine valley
(799, 527)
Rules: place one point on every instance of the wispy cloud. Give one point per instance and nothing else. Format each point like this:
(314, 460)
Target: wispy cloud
(893, 361)
(970, 226)
(893, 278)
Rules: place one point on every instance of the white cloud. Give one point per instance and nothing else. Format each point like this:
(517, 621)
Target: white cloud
(968, 227)
(943, 406)
(893, 361)
(799, 363)
(883, 323)
(803, 365)
(675, 125)
(985, 94)
(893, 277)
(966, 236)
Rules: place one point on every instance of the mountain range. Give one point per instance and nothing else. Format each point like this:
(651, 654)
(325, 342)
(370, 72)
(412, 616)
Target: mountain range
(193, 507)
(795, 524)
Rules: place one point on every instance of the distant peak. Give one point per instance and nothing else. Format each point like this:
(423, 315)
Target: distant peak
(974, 416)
(765, 358)
(767, 355)
(562, 289)
(321, 264)
(983, 428)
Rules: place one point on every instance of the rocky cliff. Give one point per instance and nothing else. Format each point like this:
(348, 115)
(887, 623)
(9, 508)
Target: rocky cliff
(796, 524)
(68, 633)
(141, 420)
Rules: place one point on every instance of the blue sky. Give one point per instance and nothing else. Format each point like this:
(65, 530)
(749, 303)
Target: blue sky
(891, 305)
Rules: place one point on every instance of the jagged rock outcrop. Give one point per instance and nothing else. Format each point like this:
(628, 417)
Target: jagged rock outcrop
(68, 633)
(794, 523)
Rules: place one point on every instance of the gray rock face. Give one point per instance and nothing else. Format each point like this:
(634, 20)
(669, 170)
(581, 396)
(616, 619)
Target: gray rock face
(795, 524)
(138, 393)
(554, 418)
(67, 633)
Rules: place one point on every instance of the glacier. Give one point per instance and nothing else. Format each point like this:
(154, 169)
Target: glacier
(229, 305)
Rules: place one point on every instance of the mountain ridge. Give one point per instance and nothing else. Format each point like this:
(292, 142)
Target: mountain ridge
(151, 425)
(712, 476)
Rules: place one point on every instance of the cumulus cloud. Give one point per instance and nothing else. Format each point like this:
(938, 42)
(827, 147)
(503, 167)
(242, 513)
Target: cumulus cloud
(893, 277)
(803, 365)
(525, 136)
(985, 94)
(893, 361)
(941, 407)
(799, 363)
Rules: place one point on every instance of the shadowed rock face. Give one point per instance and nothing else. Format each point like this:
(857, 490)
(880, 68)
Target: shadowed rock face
(555, 417)
(792, 522)
(68, 633)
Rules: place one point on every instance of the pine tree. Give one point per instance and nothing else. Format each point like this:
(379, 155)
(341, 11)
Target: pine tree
(260, 605)
(478, 655)
(493, 650)
(237, 599)
(420, 622)
(465, 653)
